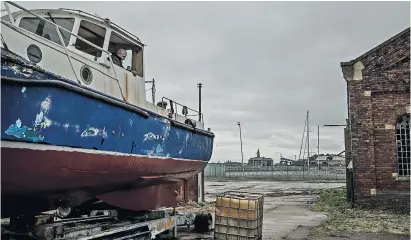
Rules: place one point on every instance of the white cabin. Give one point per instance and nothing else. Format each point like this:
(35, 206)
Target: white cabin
(33, 35)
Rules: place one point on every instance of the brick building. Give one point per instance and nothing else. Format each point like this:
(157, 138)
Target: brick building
(377, 136)
(260, 161)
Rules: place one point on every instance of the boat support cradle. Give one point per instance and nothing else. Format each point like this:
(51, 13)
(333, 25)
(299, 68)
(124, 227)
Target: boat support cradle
(107, 225)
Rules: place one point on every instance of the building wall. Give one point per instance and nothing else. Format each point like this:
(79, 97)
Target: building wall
(378, 90)
(260, 162)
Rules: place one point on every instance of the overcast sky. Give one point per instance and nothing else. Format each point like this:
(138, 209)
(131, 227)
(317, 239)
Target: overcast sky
(262, 63)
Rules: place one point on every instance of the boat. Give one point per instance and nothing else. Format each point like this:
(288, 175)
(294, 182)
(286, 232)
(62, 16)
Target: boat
(76, 124)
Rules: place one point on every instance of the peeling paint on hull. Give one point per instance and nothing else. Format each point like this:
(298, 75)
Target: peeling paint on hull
(117, 146)
(70, 119)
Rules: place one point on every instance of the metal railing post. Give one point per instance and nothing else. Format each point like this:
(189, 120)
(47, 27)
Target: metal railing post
(115, 74)
(179, 104)
(67, 53)
(9, 12)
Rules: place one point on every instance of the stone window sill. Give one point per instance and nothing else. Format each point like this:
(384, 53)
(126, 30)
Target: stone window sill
(403, 178)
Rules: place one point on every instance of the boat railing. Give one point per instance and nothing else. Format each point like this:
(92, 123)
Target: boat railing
(58, 29)
(174, 106)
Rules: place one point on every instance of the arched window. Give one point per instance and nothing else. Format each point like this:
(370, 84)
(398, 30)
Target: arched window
(403, 145)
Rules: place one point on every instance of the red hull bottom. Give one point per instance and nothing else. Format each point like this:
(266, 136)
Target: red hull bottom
(40, 178)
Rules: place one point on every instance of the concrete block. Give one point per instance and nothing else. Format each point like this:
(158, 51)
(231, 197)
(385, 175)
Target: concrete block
(358, 67)
(389, 126)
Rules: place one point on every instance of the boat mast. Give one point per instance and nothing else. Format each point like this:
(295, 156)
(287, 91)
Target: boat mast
(200, 85)
(153, 90)
(302, 140)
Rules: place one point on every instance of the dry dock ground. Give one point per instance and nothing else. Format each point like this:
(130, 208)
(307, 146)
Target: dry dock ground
(289, 214)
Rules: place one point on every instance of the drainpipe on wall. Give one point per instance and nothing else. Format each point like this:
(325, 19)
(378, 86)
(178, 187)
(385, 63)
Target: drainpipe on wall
(349, 122)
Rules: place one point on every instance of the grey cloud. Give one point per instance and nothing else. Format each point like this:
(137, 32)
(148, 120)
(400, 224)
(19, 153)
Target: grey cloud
(261, 63)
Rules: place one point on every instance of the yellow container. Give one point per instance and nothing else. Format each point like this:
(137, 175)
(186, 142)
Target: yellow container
(238, 216)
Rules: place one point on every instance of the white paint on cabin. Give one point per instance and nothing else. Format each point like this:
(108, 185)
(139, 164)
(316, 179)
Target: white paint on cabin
(20, 35)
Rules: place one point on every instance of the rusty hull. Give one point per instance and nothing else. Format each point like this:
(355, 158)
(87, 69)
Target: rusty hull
(40, 180)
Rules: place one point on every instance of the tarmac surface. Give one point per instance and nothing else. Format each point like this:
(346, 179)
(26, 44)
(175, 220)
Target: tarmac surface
(287, 213)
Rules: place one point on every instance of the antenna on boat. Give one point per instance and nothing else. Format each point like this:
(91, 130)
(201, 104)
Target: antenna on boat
(200, 85)
(153, 90)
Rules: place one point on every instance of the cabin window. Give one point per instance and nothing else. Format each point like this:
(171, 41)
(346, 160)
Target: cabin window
(134, 60)
(127, 60)
(92, 33)
(48, 30)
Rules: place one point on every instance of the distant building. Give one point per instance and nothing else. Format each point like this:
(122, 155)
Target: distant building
(337, 161)
(330, 160)
(300, 162)
(377, 136)
(260, 161)
(286, 161)
(323, 160)
(229, 163)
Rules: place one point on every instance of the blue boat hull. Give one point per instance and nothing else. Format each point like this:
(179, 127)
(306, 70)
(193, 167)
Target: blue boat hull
(57, 116)
(68, 137)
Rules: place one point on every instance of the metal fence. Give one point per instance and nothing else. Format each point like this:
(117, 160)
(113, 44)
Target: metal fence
(215, 171)
(223, 171)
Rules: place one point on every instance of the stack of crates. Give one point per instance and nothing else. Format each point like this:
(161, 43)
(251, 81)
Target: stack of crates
(239, 216)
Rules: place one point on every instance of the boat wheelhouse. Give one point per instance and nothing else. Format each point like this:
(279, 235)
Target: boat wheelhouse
(76, 124)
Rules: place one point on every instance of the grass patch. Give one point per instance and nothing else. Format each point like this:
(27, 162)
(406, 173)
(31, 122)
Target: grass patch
(192, 206)
(344, 219)
(331, 200)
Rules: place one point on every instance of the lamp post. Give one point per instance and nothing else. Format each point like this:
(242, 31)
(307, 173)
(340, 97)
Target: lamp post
(241, 142)
(318, 146)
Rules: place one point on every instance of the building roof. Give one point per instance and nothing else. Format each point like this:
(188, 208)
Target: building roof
(331, 158)
(259, 158)
(406, 31)
(338, 158)
(321, 158)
